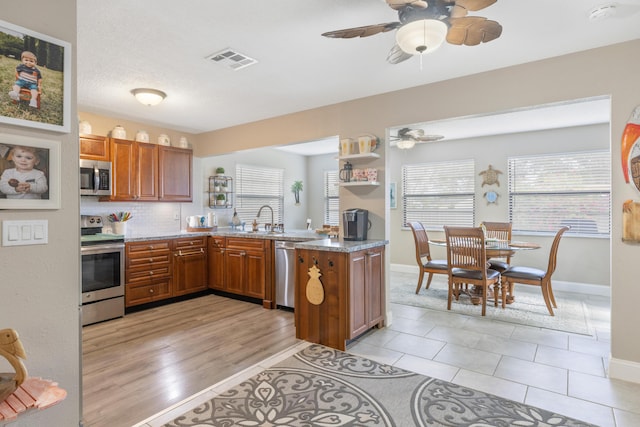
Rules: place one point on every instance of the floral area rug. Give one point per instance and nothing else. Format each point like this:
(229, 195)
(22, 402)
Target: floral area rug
(321, 387)
(529, 309)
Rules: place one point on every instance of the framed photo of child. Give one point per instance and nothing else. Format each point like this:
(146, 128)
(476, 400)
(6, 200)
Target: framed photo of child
(29, 172)
(35, 79)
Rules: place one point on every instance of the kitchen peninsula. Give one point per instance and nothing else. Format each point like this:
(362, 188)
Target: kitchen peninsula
(241, 263)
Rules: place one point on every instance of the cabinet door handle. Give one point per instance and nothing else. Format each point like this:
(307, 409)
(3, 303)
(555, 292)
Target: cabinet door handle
(315, 261)
(330, 263)
(301, 260)
(150, 291)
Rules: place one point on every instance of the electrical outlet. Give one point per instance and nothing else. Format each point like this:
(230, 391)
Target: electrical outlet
(176, 216)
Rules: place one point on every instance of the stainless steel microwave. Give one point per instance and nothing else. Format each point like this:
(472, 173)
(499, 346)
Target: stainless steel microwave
(95, 178)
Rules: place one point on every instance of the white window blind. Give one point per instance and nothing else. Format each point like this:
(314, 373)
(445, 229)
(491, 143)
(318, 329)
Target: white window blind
(439, 193)
(331, 198)
(257, 186)
(549, 191)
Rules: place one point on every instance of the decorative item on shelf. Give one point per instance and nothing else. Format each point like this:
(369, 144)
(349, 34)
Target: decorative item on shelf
(372, 174)
(346, 146)
(164, 139)
(84, 127)
(219, 171)
(183, 143)
(221, 200)
(296, 188)
(119, 132)
(142, 136)
(346, 173)
(364, 144)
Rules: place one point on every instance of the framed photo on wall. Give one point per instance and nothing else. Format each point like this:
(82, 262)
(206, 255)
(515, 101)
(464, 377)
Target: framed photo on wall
(35, 79)
(29, 172)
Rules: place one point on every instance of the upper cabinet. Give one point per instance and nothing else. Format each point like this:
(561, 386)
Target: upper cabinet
(94, 147)
(149, 172)
(175, 171)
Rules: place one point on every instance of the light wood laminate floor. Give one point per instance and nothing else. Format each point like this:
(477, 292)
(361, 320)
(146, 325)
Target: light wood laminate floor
(138, 365)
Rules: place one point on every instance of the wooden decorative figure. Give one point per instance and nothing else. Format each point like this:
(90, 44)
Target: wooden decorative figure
(18, 392)
(631, 221)
(12, 350)
(315, 290)
(490, 176)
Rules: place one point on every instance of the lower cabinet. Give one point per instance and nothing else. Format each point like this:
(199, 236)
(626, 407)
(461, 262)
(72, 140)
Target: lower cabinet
(161, 269)
(189, 265)
(242, 266)
(353, 287)
(147, 272)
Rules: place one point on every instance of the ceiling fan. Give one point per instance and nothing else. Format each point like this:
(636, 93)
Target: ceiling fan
(424, 24)
(407, 138)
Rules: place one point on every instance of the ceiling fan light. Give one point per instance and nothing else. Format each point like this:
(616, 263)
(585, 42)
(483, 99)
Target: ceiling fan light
(149, 96)
(405, 144)
(421, 36)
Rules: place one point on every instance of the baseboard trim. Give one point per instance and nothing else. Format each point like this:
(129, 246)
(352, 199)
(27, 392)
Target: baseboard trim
(558, 285)
(624, 370)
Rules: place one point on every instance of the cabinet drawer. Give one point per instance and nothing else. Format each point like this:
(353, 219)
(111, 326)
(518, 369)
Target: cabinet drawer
(189, 242)
(148, 262)
(147, 249)
(159, 271)
(248, 244)
(147, 291)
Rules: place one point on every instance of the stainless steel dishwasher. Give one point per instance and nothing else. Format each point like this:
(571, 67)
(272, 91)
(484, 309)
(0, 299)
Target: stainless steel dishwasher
(285, 273)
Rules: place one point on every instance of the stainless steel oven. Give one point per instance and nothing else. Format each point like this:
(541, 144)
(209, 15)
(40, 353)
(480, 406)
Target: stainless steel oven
(102, 276)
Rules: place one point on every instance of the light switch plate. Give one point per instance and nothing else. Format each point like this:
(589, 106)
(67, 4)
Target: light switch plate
(27, 232)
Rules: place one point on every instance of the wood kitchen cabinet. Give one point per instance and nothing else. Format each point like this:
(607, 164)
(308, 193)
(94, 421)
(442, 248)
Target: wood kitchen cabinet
(353, 285)
(189, 265)
(149, 172)
(242, 266)
(148, 272)
(174, 174)
(94, 147)
(135, 171)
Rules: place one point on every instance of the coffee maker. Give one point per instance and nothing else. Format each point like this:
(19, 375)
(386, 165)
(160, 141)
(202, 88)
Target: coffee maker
(355, 224)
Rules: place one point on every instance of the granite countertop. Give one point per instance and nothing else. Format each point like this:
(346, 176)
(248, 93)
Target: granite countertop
(305, 239)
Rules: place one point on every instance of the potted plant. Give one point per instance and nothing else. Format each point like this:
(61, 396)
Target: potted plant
(220, 199)
(296, 188)
(219, 171)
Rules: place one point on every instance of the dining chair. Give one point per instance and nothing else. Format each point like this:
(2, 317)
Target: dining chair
(467, 264)
(500, 231)
(534, 276)
(423, 256)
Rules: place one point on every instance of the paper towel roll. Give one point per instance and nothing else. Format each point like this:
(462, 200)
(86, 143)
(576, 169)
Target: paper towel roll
(211, 219)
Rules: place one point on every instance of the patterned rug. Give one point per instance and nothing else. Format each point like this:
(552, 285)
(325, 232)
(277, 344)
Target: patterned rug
(528, 309)
(321, 387)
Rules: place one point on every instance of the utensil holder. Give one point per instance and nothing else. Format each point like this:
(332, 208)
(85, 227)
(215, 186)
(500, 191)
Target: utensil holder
(120, 227)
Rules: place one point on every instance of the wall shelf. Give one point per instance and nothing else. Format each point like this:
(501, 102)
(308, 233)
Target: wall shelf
(360, 184)
(220, 187)
(356, 157)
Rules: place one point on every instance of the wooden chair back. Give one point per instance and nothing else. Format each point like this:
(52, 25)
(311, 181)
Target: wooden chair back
(500, 231)
(553, 253)
(466, 249)
(422, 242)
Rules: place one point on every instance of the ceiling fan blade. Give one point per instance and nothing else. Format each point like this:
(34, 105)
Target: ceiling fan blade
(397, 55)
(430, 138)
(474, 5)
(366, 31)
(472, 30)
(399, 4)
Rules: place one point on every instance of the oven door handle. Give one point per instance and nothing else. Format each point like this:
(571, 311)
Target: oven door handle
(102, 248)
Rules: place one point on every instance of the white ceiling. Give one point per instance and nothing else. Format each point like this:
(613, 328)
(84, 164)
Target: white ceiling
(162, 44)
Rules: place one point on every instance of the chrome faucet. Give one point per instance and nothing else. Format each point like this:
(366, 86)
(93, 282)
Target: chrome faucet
(271, 209)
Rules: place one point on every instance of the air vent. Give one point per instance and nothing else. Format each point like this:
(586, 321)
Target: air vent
(231, 59)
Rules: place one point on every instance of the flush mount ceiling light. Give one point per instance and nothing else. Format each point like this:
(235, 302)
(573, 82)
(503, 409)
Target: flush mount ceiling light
(421, 36)
(149, 96)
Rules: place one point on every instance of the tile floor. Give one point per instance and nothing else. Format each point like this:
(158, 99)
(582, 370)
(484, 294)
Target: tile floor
(558, 371)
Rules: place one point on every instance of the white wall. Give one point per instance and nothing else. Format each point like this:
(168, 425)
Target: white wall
(40, 285)
(581, 260)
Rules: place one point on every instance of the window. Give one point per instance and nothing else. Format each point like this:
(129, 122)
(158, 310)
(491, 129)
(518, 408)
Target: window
(257, 186)
(439, 193)
(331, 199)
(552, 190)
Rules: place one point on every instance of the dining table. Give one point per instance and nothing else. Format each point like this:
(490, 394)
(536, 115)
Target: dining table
(495, 248)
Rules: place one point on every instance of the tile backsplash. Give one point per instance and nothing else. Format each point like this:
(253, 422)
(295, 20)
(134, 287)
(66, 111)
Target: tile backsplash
(147, 219)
